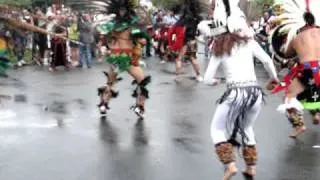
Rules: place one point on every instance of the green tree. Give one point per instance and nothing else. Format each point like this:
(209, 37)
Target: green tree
(254, 8)
(17, 2)
(165, 3)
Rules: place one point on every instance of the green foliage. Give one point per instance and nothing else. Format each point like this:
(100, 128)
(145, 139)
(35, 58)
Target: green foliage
(254, 8)
(17, 2)
(261, 3)
(165, 3)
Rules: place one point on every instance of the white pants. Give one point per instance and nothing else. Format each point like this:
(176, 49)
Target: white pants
(219, 132)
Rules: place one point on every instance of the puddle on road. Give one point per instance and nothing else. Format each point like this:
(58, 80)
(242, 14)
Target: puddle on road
(59, 107)
(165, 83)
(187, 143)
(5, 97)
(81, 103)
(13, 83)
(20, 98)
(54, 94)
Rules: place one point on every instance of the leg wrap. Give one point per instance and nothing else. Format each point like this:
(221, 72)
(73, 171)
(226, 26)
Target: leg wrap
(106, 94)
(295, 117)
(225, 152)
(250, 155)
(141, 89)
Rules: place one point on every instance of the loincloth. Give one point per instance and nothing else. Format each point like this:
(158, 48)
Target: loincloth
(309, 76)
(124, 58)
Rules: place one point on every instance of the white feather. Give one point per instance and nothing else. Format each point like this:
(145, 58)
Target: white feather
(293, 16)
(219, 14)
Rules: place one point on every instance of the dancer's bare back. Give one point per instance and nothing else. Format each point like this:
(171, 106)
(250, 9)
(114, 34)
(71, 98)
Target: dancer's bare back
(306, 45)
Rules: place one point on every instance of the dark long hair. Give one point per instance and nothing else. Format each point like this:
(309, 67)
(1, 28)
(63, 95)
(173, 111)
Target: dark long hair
(224, 43)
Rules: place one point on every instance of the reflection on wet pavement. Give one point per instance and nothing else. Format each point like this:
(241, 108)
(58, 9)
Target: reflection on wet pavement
(52, 130)
(140, 134)
(107, 133)
(20, 98)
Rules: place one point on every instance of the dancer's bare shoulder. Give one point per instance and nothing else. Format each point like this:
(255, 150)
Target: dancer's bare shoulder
(307, 45)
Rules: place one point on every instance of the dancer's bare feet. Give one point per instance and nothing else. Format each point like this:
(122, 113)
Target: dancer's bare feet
(298, 131)
(52, 69)
(230, 171)
(249, 173)
(177, 78)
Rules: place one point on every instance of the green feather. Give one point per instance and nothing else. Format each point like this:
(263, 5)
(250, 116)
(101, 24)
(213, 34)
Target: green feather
(106, 28)
(137, 33)
(122, 61)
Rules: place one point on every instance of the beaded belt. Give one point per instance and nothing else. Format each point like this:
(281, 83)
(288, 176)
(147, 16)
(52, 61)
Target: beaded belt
(236, 84)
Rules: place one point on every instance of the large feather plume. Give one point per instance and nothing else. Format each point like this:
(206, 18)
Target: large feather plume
(193, 11)
(107, 7)
(220, 15)
(292, 19)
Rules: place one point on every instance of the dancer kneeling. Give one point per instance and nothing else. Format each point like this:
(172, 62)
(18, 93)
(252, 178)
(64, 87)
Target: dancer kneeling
(239, 106)
(126, 49)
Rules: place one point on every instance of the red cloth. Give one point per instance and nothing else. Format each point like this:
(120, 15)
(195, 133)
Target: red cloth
(287, 79)
(295, 71)
(176, 38)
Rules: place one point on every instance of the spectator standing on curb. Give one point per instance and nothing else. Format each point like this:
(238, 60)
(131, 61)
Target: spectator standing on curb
(74, 34)
(87, 38)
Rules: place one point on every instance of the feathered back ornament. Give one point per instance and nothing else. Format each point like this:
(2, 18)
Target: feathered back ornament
(192, 11)
(297, 14)
(117, 7)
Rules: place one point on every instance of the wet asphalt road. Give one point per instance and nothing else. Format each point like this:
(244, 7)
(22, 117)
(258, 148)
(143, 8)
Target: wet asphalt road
(52, 131)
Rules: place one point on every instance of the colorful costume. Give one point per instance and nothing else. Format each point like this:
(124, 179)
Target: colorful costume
(184, 32)
(59, 49)
(126, 44)
(241, 103)
(4, 61)
(182, 36)
(294, 20)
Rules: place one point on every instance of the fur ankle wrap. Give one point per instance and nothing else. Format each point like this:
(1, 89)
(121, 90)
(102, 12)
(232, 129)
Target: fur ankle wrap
(250, 155)
(225, 152)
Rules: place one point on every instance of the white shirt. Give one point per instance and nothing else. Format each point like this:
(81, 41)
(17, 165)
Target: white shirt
(170, 20)
(239, 66)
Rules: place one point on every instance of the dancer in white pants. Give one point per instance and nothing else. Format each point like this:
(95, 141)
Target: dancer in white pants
(240, 105)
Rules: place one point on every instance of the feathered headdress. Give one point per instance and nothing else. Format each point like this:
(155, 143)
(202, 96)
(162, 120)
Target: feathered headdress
(106, 6)
(123, 12)
(297, 14)
(192, 11)
(228, 17)
(117, 6)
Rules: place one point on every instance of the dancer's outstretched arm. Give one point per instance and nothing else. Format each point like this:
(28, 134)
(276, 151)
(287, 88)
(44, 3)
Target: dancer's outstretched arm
(211, 71)
(265, 59)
